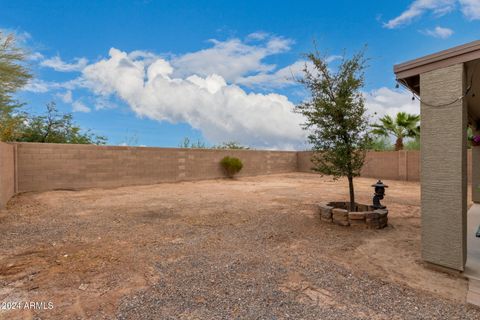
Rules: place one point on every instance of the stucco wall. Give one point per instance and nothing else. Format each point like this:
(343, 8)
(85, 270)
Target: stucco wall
(7, 173)
(444, 167)
(58, 166)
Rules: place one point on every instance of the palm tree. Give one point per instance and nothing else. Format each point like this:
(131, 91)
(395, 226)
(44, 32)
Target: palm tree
(405, 125)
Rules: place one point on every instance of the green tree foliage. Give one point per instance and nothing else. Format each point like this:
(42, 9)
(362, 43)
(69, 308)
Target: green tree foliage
(231, 166)
(380, 144)
(17, 125)
(470, 136)
(13, 76)
(189, 144)
(231, 145)
(413, 144)
(199, 144)
(56, 127)
(336, 116)
(405, 125)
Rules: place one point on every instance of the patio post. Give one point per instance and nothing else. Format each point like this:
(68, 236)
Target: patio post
(444, 166)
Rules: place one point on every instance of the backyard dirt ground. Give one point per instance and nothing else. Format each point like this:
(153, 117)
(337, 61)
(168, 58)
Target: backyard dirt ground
(249, 248)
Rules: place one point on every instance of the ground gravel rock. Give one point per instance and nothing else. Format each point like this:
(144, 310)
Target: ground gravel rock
(249, 248)
(257, 282)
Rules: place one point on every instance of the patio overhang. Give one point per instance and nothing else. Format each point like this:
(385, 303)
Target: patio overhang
(409, 72)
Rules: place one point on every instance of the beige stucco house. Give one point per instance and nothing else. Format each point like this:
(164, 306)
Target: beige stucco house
(448, 85)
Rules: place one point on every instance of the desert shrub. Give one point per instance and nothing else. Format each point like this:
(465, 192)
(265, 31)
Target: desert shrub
(413, 144)
(380, 144)
(231, 165)
(190, 144)
(231, 145)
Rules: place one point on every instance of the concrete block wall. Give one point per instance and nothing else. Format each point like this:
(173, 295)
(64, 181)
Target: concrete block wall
(41, 167)
(413, 165)
(385, 165)
(304, 162)
(7, 173)
(62, 166)
(388, 165)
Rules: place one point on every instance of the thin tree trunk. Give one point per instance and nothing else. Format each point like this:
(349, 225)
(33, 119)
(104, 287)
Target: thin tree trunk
(399, 144)
(352, 193)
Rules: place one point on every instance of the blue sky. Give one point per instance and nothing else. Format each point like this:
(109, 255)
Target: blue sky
(152, 72)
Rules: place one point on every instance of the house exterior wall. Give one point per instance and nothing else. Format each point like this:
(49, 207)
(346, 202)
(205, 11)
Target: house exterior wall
(444, 167)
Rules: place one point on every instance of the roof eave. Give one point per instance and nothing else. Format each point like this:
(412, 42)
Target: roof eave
(442, 59)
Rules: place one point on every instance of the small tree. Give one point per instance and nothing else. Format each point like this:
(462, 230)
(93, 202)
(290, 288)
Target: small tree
(189, 144)
(13, 76)
(412, 144)
(231, 145)
(405, 125)
(55, 127)
(336, 116)
(380, 144)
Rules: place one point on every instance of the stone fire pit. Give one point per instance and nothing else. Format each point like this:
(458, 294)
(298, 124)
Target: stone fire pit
(365, 216)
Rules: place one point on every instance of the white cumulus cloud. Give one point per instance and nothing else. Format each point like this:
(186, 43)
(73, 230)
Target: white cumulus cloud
(230, 59)
(202, 89)
(21, 37)
(257, 36)
(283, 77)
(66, 97)
(35, 56)
(37, 86)
(221, 111)
(57, 64)
(438, 32)
(469, 8)
(417, 8)
(78, 106)
(42, 86)
(385, 101)
(274, 80)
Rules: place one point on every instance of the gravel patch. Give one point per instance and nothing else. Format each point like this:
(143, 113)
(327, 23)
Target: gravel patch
(251, 248)
(229, 286)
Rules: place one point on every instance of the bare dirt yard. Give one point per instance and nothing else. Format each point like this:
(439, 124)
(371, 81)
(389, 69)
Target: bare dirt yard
(251, 248)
